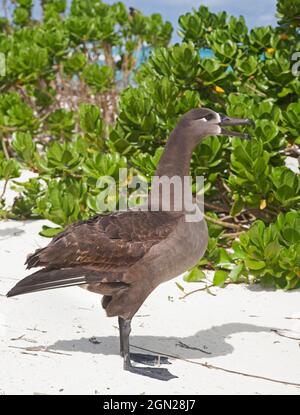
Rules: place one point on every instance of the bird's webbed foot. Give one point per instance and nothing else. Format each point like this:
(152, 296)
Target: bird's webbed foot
(149, 359)
(152, 360)
(158, 373)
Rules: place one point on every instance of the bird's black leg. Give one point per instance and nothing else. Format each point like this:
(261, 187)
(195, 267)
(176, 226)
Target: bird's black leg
(121, 329)
(145, 359)
(156, 373)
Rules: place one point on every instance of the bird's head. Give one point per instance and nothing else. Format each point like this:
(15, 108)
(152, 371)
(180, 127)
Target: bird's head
(203, 122)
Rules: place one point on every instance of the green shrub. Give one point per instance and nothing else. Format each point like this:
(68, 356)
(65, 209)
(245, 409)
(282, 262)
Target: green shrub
(72, 113)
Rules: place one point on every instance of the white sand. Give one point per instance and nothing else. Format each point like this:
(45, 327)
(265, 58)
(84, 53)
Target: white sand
(235, 327)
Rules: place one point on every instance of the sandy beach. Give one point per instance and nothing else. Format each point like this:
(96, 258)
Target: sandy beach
(242, 340)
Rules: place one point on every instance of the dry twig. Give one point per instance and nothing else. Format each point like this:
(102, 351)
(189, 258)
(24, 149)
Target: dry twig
(235, 372)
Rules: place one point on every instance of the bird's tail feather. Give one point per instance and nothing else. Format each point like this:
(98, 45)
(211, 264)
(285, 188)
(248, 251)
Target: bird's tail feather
(58, 278)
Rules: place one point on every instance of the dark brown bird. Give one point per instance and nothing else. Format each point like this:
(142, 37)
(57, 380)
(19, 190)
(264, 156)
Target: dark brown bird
(125, 255)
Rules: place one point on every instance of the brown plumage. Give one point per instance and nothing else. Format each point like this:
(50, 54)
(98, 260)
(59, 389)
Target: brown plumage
(125, 255)
(112, 242)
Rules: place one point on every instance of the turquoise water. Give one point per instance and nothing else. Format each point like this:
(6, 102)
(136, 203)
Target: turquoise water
(206, 53)
(146, 51)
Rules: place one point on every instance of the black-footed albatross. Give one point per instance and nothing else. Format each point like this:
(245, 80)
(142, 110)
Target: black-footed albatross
(125, 255)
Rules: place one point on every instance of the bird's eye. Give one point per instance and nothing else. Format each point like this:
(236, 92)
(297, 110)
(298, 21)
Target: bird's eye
(209, 117)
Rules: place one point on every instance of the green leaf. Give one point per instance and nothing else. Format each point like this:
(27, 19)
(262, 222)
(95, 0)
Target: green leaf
(291, 235)
(254, 265)
(237, 206)
(272, 251)
(9, 169)
(236, 272)
(220, 277)
(49, 232)
(194, 275)
(180, 286)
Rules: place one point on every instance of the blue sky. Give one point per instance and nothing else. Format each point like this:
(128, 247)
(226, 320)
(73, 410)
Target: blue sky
(256, 12)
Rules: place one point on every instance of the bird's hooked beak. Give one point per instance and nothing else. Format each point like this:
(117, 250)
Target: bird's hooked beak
(230, 121)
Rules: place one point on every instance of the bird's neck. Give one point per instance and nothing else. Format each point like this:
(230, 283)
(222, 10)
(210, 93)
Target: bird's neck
(175, 160)
(174, 165)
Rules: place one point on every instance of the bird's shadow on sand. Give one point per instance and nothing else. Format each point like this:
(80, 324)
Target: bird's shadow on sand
(10, 232)
(203, 344)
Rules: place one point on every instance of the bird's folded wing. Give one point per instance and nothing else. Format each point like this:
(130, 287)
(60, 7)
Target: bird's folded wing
(110, 242)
